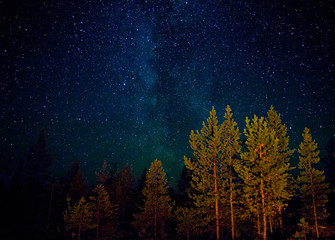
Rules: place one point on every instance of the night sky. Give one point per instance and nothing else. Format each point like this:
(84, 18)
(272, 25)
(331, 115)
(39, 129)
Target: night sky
(126, 81)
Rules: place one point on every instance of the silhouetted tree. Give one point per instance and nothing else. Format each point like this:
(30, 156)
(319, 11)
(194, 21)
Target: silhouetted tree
(103, 174)
(75, 184)
(123, 193)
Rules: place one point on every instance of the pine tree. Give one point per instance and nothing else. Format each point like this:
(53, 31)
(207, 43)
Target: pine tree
(75, 183)
(105, 213)
(304, 226)
(79, 218)
(282, 191)
(258, 168)
(157, 203)
(231, 149)
(38, 160)
(104, 174)
(207, 169)
(35, 181)
(123, 194)
(188, 221)
(313, 188)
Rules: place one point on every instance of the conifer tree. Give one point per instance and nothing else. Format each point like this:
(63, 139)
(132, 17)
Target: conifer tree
(123, 194)
(157, 202)
(282, 191)
(188, 221)
(104, 174)
(207, 169)
(38, 160)
(79, 217)
(231, 149)
(75, 182)
(313, 188)
(105, 213)
(258, 168)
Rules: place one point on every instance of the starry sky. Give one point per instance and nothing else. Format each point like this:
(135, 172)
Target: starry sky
(126, 81)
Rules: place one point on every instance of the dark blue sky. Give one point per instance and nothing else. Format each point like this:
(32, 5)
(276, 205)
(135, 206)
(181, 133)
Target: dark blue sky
(126, 81)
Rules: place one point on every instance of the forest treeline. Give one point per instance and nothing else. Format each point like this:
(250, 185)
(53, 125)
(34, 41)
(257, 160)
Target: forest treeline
(229, 189)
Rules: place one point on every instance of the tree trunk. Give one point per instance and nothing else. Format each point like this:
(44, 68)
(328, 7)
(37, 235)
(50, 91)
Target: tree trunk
(98, 221)
(155, 224)
(232, 210)
(216, 203)
(188, 234)
(258, 223)
(263, 207)
(314, 205)
(270, 222)
(281, 221)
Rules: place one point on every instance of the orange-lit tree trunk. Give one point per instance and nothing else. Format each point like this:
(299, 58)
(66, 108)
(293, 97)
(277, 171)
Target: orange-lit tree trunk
(280, 220)
(258, 222)
(314, 205)
(232, 209)
(263, 207)
(216, 202)
(270, 222)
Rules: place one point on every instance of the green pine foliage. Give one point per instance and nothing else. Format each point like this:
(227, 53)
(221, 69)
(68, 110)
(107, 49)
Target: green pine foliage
(231, 148)
(304, 229)
(188, 222)
(282, 190)
(79, 217)
(208, 170)
(258, 169)
(105, 213)
(313, 188)
(157, 206)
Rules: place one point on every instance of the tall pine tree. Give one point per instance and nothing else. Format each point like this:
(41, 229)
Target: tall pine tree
(231, 149)
(258, 169)
(207, 169)
(313, 188)
(157, 203)
(282, 190)
(105, 213)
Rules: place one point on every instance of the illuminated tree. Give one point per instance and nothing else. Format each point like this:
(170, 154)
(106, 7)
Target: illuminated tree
(313, 188)
(258, 168)
(79, 217)
(105, 213)
(282, 190)
(157, 205)
(231, 149)
(207, 169)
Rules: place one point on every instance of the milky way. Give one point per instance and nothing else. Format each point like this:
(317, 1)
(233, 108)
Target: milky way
(126, 81)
